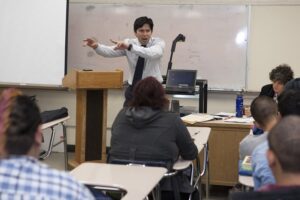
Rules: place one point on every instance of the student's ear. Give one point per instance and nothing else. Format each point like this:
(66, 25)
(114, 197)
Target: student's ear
(279, 116)
(271, 159)
(38, 135)
(256, 125)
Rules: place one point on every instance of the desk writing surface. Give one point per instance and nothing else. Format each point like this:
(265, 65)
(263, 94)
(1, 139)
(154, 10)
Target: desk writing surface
(200, 136)
(138, 181)
(54, 122)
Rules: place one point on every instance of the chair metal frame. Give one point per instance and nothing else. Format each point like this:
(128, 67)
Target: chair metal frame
(52, 125)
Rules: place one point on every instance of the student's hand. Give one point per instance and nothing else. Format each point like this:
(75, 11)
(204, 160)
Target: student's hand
(120, 45)
(91, 42)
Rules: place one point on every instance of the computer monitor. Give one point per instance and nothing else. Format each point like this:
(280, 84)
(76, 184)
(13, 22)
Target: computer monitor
(181, 81)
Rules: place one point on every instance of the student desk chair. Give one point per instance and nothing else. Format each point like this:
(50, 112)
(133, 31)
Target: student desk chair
(52, 126)
(136, 181)
(128, 177)
(200, 136)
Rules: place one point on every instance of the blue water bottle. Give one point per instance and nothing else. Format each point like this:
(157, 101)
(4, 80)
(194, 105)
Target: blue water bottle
(239, 104)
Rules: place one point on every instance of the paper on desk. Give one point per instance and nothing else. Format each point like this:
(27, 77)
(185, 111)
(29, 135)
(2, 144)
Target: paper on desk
(225, 114)
(240, 120)
(196, 117)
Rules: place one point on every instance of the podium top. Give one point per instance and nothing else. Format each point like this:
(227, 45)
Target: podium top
(79, 79)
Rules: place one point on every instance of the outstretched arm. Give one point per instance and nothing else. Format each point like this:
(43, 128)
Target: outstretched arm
(91, 42)
(120, 45)
(103, 50)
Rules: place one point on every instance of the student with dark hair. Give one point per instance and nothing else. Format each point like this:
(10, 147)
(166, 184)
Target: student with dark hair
(265, 113)
(279, 77)
(22, 176)
(293, 84)
(146, 131)
(283, 159)
(288, 104)
(284, 151)
(144, 51)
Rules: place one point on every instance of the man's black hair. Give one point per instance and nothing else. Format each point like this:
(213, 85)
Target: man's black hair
(139, 22)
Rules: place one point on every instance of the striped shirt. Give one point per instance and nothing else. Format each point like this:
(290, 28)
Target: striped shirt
(24, 177)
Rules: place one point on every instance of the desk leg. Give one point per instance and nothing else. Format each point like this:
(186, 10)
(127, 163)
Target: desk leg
(50, 146)
(65, 144)
(207, 173)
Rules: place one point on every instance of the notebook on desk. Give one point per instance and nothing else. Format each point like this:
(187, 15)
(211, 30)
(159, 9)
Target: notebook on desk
(181, 81)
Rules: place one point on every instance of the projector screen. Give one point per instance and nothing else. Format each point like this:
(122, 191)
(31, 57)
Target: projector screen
(33, 42)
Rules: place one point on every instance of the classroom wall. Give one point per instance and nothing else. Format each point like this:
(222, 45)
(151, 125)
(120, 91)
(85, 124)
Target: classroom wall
(217, 101)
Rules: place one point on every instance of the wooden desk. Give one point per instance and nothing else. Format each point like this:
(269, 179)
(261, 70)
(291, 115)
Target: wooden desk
(223, 144)
(138, 181)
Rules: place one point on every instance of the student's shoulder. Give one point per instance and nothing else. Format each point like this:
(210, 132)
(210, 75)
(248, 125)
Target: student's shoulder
(172, 118)
(260, 149)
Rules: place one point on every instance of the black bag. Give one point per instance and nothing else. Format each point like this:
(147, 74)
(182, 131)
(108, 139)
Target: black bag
(50, 115)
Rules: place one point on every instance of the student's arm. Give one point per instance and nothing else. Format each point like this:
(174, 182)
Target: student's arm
(262, 174)
(187, 148)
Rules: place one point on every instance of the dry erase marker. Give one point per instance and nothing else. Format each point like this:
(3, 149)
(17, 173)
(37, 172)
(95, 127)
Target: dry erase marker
(87, 70)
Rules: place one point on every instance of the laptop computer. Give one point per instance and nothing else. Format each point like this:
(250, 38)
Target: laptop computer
(181, 81)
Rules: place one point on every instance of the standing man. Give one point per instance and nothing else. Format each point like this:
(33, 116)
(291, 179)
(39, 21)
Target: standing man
(143, 53)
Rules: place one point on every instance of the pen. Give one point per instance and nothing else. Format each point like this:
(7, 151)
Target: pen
(195, 133)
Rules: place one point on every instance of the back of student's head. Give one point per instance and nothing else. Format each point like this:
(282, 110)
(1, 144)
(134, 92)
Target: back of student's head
(141, 21)
(293, 84)
(289, 102)
(282, 73)
(284, 141)
(263, 110)
(149, 92)
(19, 121)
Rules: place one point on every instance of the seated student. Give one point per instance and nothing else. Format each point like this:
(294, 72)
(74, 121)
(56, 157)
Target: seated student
(293, 84)
(279, 77)
(265, 113)
(288, 104)
(22, 176)
(283, 159)
(147, 131)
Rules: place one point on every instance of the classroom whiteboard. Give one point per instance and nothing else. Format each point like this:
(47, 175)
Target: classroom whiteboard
(216, 38)
(33, 42)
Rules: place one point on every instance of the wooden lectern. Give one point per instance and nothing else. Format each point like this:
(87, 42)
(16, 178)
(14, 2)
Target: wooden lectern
(91, 111)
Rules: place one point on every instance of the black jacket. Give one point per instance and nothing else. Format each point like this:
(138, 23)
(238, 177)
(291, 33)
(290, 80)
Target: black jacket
(147, 134)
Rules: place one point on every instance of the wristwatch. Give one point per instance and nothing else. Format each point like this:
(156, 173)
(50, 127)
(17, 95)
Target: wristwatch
(129, 47)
